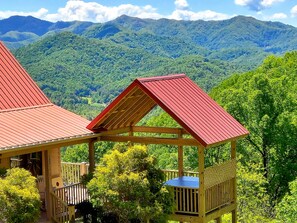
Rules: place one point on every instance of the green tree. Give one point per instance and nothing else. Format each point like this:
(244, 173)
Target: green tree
(264, 101)
(19, 197)
(128, 184)
(287, 208)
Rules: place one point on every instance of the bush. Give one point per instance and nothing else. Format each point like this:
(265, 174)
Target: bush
(128, 185)
(19, 197)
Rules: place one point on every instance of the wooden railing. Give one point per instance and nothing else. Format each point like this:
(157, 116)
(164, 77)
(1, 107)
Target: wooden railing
(170, 174)
(219, 189)
(61, 211)
(186, 200)
(219, 195)
(72, 172)
(72, 194)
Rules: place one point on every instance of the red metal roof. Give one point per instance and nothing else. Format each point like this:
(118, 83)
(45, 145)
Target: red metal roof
(27, 117)
(39, 125)
(180, 97)
(17, 89)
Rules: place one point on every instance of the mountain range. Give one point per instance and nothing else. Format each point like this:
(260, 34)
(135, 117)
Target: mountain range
(83, 62)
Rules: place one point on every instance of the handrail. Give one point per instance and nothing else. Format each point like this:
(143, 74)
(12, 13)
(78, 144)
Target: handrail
(72, 194)
(60, 210)
(72, 172)
(170, 174)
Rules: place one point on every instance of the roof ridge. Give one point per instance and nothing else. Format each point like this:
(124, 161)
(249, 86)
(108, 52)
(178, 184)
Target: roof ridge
(26, 108)
(159, 78)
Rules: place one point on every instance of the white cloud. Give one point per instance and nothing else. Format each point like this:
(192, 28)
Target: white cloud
(294, 11)
(204, 15)
(181, 4)
(38, 14)
(257, 5)
(95, 12)
(278, 16)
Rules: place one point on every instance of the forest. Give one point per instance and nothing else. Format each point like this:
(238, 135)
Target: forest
(85, 69)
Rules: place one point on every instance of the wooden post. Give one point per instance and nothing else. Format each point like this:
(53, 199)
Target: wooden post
(233, 156)
(201, 203)
(5, 162)
(83, 168)
(91, 155)
(48, 187)
(71, 209)
(180, 157)
(130, 133)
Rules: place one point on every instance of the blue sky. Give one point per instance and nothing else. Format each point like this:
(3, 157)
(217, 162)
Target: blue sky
(284, 11)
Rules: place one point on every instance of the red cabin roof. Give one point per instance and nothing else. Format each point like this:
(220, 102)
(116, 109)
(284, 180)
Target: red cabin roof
(181, 98)
(27, 117)
(17, 89)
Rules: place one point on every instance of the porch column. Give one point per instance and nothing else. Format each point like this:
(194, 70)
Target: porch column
(48, 185)
(201, 203)
(233, 156)
(5, 162)
(180, 157)
(91, 155)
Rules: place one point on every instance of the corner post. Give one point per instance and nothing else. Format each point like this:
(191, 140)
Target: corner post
(201, 204)
(48, 185)
(180, 156)
(233, 156)
(91, 155)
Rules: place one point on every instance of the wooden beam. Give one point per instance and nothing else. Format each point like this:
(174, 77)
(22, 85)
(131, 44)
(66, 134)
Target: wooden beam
(233, 156)
(91, 156)
(183, 218)
(150, 140)
(217, 213)
(180, 157)
(115, 131)
(159, 130)
(48, 184)
(25, 149)
(201, 201)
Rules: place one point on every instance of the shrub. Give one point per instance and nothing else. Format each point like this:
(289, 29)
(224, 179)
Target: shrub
(19, 197)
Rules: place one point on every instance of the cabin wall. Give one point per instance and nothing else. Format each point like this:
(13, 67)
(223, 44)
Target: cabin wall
(5, 163)
(55, 162)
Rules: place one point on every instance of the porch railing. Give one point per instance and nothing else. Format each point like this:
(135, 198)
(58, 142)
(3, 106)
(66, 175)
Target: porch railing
(219, 189)
(72, 194)
(72, 172)
(61, 211)
(170, 174)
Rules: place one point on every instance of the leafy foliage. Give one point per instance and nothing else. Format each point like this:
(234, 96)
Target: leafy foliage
(128, 184)
(287, 208)
(264, 101)
(19, 197)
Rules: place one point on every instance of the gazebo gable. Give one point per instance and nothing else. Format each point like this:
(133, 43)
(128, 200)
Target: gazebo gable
(181, 98)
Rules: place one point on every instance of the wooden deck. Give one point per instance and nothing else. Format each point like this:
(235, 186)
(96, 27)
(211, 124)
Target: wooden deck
(219, 191)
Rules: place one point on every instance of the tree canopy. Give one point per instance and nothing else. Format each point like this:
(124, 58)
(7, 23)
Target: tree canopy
(19, 197)
(128, 184)
(264, 101)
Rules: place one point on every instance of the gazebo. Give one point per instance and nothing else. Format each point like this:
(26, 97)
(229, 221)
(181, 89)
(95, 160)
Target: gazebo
(204, 124)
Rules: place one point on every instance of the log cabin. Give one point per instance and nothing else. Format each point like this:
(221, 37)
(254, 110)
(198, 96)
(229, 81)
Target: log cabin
(33, 129)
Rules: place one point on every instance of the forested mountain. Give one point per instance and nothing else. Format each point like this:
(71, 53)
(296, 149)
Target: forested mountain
(238, 39)
(80, 64)
(74, 70)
